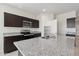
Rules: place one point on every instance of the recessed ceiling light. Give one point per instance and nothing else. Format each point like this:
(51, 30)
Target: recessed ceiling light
(44, 10)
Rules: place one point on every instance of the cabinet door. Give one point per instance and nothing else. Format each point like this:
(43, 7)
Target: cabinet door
(18, 21)
(25, 19)
(11, 20)
(9, 43)
(35, 23)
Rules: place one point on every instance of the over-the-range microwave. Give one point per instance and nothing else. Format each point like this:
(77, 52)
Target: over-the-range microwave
(27, 24)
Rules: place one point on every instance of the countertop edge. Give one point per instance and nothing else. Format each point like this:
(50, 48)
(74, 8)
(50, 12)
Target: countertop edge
(18, 48)
(15, 34)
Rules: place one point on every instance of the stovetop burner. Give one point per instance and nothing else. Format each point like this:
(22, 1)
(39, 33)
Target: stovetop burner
(25, 32)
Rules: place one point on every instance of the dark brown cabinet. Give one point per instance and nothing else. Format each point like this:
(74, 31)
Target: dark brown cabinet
(11, 20)
(35, 23)
(18, 20)
(25, 19)
(9, 43)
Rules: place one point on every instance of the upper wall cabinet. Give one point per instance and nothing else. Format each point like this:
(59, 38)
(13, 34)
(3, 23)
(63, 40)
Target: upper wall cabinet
(31, 22)
(11, 20)
(35, 23)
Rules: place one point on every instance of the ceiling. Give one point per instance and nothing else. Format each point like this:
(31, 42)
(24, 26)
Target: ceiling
(55, 8)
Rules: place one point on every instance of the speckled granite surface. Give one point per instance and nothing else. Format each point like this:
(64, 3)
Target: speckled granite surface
(62, 46)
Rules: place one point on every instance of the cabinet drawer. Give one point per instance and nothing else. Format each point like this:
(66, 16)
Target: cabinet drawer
(9, 43)
(28, 37)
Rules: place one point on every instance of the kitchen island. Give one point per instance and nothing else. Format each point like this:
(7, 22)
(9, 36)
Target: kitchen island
(46, 47)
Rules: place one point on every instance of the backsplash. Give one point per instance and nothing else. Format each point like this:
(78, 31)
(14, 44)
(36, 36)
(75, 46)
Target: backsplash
(71, 30)
(15, 29)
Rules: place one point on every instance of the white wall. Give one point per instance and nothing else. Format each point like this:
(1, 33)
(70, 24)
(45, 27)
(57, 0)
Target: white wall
(61, 21)
(53, 25)
(13, 10)
(1, 32)
(45, 20)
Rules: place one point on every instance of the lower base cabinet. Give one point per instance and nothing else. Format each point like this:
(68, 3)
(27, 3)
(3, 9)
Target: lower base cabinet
(32, 36)
(9, 41)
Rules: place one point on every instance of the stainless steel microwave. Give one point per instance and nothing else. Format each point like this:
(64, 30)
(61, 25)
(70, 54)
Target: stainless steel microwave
(27, 24)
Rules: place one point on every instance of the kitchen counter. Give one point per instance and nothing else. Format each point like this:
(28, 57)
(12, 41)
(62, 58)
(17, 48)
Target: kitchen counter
(18, 33)
(46, 47)
(11, 34)
(9, 38)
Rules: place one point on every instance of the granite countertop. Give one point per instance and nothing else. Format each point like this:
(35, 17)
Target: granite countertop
(11, 34)
(45, 47)
(17, 33)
